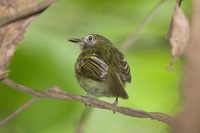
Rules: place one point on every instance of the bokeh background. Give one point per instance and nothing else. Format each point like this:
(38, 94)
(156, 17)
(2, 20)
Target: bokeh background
(45, 58)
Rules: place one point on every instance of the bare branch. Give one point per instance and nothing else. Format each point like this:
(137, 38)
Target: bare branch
(27, 12)
(133, 37)
(56, 93)
(16, 112)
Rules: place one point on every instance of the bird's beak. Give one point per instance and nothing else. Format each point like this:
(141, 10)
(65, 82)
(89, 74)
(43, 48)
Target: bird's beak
(75, 40)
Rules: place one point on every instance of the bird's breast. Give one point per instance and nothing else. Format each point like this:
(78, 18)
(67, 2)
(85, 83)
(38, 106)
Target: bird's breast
(95, 88)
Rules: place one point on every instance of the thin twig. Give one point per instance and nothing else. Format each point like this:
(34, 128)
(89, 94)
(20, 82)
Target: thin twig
(16, 112)
(27, 12)
(135, 35)
(56, 93)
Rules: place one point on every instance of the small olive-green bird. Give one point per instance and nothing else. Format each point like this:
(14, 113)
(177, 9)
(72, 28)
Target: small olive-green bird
(101, 69)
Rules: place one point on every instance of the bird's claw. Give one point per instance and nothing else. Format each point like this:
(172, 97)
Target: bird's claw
(115, 105)
(89, 101)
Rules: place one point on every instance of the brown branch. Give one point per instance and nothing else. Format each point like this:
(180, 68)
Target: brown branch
(27, 12)
(135, 35)
(16, 112)
(56, 93)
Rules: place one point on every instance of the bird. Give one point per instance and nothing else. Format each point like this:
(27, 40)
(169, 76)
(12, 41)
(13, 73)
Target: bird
(101, 69)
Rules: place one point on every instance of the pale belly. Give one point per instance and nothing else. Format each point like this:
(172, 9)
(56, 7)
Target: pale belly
(94, 88)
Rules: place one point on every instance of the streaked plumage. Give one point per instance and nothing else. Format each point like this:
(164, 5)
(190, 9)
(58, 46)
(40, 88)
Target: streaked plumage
(101, 69)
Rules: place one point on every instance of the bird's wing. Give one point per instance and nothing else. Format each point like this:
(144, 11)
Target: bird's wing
(119, 74)
(124, 69)
(121, 65)
(92, 67)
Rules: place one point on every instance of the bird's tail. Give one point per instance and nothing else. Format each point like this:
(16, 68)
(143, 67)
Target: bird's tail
(117, 86)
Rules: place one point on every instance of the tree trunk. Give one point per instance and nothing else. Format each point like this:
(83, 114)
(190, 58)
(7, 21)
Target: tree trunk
(188, 121)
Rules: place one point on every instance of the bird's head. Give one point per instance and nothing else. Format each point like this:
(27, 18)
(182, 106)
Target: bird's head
(90, 40)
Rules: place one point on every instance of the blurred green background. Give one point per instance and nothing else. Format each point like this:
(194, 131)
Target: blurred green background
(45, 58)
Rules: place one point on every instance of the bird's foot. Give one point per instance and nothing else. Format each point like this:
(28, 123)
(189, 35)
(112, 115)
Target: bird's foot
(115, 105)
(89, 102)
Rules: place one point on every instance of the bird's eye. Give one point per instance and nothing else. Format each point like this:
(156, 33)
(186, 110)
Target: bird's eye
(90, 38)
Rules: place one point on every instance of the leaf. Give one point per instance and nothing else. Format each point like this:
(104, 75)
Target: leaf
(178, 34)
